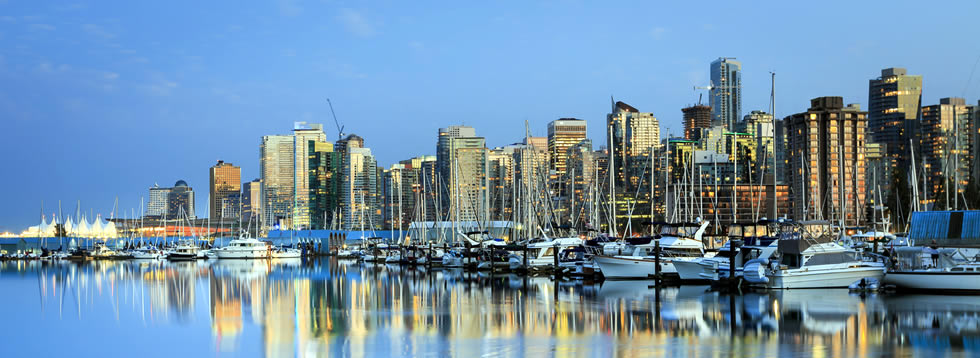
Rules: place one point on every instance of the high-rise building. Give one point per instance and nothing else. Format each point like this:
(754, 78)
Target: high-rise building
(826, 164)
(632, 137)
(562, 135)
(947, 138)
(500, 178)
(894, 108)
(159, 202)
(726, 91)
(326, 175)
(276, 166)
(305, 137)
(225, 182)
(696, 118)
(461, 159)
(251, 201)
(761, 127)
(360, 191)
(181, 201)
(579, 179)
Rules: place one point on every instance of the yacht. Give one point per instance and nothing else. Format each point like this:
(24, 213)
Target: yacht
(678, 242)
(283, 252)
(102, 252)
(186, 250)
(244, 247)
(541, 254)
(915, 271)
(147, 253)
(751, 241)
(809, 263)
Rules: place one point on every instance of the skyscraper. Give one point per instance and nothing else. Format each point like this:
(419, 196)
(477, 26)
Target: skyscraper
(224, 184)
(826, 169)
(894, 107)
(305, 137)
(251, 201)
(181, 201)
(276, 166)
(632, 137)
(726, 91)
(562, 135)
(947, 137)
(359, 191)
(159, 201)
(326, 175)
(696, 117)
(634, 134)
(461, 160)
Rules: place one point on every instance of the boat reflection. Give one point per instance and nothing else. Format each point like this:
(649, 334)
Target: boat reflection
(329, 307)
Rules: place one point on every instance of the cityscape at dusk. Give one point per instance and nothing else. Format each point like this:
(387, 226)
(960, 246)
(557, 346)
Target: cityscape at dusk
(311, 178)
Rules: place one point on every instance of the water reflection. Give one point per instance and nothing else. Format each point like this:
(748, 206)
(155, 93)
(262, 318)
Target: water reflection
(339, 308)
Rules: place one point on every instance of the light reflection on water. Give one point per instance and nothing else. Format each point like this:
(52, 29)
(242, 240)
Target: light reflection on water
(291, 308)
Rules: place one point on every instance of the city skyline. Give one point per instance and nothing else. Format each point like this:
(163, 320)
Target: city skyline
(182, 135)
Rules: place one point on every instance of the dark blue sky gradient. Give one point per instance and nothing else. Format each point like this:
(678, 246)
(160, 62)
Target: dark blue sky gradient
(100, 100)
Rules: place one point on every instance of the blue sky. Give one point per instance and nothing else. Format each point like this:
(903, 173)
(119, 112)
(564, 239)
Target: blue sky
(100, 100)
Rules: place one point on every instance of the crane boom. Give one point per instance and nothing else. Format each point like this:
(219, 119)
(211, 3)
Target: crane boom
(340, 128)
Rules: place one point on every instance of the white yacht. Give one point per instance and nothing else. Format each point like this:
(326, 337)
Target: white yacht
(286, 253)
(677, 243)
(185, 250)
(147, 253)
(915, 271)
(541, 254)
(244, 247)
(807, 263)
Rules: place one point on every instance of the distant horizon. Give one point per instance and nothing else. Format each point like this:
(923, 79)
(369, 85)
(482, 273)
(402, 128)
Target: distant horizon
(102, 100)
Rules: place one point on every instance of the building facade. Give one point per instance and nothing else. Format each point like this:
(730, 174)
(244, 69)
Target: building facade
(826, 164)
(894, 109)
(696, 118)
(251, 201)
(562, 135)
(181, 201)
(947, 138)
(224, 187)
(305, 138)
(726, 91)
(276, 166)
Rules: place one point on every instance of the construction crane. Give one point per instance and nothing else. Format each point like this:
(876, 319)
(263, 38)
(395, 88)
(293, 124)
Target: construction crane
(340, 128)
(709, 87)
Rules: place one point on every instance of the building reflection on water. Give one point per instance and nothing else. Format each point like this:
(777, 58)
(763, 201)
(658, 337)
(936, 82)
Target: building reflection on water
(336, 308)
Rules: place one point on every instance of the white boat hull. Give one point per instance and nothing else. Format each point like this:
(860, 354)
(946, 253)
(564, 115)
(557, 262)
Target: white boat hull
(824, 278)
(624, 267)
(689, 270)
(940, 281)
(243, 254)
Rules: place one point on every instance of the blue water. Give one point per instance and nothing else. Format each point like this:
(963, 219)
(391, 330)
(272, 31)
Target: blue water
(331, 308)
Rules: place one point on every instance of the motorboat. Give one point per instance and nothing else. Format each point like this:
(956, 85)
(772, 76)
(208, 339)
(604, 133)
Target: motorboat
(678, 242)
(147, 253)
(244, 247)
(186, 250)
(282, 252)
(541, 254)
(810, 263)
(750, 241)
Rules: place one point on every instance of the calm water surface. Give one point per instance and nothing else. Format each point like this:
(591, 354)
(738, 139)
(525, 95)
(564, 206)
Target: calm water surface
(346, 309)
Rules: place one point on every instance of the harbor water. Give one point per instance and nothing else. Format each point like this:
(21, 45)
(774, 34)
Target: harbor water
(339, 308)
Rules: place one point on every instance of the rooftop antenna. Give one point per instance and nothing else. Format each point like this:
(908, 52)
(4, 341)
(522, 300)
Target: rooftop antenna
(340, 128)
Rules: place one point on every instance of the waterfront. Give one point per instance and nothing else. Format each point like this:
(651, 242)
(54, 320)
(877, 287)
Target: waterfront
(343, 308)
